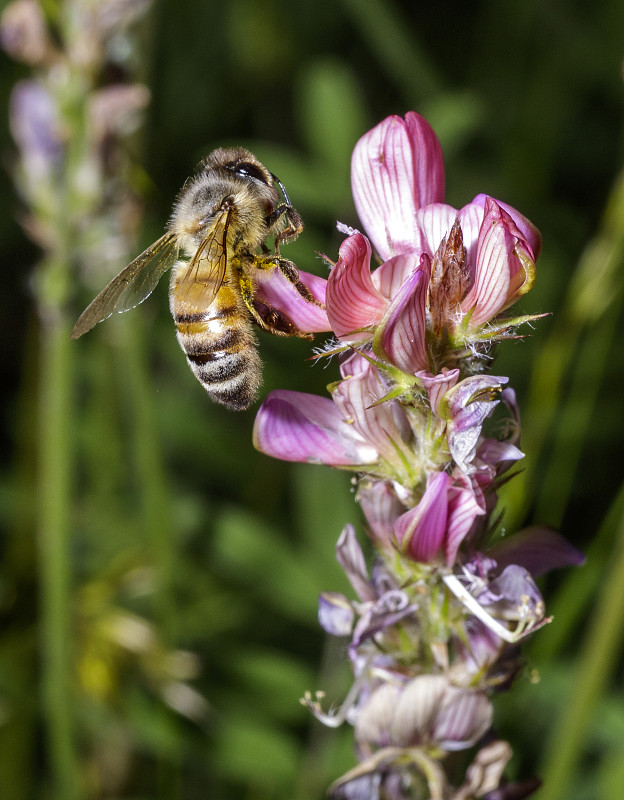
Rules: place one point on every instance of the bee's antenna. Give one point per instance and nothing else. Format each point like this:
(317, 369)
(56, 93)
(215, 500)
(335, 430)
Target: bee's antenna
(282, 187)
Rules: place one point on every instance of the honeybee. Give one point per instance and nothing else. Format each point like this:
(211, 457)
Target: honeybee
(222, 217)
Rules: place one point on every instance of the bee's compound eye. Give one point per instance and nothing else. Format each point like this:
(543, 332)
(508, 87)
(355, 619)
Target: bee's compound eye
(245, 169)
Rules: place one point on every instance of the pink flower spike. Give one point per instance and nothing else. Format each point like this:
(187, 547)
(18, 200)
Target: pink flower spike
(295, 426)
(421, 530)
(274, 289)
(504, 266)
(403, 333)
(396, 168)
(353, 302)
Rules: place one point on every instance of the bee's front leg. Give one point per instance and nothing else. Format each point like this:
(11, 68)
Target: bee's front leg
(291, 231)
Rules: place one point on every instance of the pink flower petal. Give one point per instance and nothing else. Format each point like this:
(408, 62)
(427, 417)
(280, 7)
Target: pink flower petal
(351, 558)
(500, 275)
(466, 405)
(353, 302)
(421, 530)
(438, 385)
(463, 509)
(471, 220)
(391, 275)
(295, 426)
(526, 228)
(381, 509)
(355, 397)
(396, 168)
(274, 289)
(403, 334)
(428, 160)
(497, 454)
(493, 271)
(463, 719)
(434, 222)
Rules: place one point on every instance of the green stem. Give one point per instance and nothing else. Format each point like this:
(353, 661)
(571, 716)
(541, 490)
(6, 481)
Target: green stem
(54, 504)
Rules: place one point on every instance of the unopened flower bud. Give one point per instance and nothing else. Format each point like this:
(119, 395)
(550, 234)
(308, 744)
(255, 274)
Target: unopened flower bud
(448, 279)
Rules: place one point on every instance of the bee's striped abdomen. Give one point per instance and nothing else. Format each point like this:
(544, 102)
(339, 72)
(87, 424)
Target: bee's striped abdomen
(221, 349)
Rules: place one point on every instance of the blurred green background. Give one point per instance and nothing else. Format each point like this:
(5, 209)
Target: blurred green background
(156, 643)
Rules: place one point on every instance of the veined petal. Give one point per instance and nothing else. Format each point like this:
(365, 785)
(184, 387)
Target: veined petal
(471, 221)
(351, 558)
(513, 595)
(421, 530)
(355, 397)
(396, 168)
(391, 275)
(353, 302)
(463, 719)
(428, 160)
(374, 721)
(438, 385)
(466, 405)
(417, 709)
(295, 426)
(434, 222)
(381, 509)
(526, 229)
(403, 332)
(504, 267)
(274, 289)
(498, 455)
(493, 269)
(463, 509)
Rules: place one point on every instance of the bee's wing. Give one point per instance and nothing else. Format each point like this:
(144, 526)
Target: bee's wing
(133, 284)
(206, 271)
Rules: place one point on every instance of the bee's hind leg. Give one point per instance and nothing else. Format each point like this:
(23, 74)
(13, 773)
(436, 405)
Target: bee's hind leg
(291, 273)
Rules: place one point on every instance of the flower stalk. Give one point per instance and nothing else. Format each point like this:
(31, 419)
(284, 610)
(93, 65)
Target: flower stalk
(430, 436)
